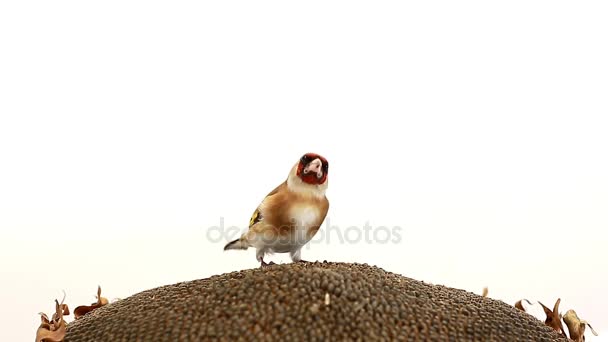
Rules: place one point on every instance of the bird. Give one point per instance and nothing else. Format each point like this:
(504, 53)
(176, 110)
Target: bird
(291, 214)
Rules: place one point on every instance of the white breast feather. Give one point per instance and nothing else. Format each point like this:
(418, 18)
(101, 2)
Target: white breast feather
(304, 217)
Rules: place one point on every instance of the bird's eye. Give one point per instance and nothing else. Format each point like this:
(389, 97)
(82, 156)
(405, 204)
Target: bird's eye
(304, 159)
(325, 167)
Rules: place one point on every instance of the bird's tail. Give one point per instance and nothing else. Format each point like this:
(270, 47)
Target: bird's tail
(236, 244)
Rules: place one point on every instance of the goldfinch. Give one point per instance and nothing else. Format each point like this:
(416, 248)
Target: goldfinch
(291, 214)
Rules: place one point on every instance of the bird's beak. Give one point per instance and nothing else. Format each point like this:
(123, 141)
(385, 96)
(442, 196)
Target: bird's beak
(315, 166)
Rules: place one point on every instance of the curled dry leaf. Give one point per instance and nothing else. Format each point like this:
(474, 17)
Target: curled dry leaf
(554, 318)
(53, 330)
(64, 307)
(519, 305)
(84, 309)
(576, 326)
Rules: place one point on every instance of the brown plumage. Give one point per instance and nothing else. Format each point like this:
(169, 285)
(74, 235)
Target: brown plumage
(291, 214)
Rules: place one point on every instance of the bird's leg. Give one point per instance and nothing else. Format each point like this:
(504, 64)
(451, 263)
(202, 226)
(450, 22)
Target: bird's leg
(259, 254)
(296, 256)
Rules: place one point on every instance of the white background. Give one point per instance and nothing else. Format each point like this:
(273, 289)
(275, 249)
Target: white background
(129, 128)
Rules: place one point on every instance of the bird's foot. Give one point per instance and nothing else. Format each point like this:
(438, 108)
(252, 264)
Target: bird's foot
(302, 260)
(265, 264)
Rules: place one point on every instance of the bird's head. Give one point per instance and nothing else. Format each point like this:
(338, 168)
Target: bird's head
(309, 175)
(312, 169)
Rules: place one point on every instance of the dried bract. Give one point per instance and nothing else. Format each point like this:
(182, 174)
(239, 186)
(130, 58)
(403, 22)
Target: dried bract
(576, 326)
(53, 330)
(84, 309)
(519, 305)
(554, 318)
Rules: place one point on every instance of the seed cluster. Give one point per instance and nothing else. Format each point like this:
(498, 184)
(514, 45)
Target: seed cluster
(308, 301)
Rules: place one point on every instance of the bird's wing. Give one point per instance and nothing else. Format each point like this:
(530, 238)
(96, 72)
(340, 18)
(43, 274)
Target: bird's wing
(257, 214)
(255, 218)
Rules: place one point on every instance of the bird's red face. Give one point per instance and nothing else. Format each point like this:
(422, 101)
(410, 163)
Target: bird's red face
(313, 169)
